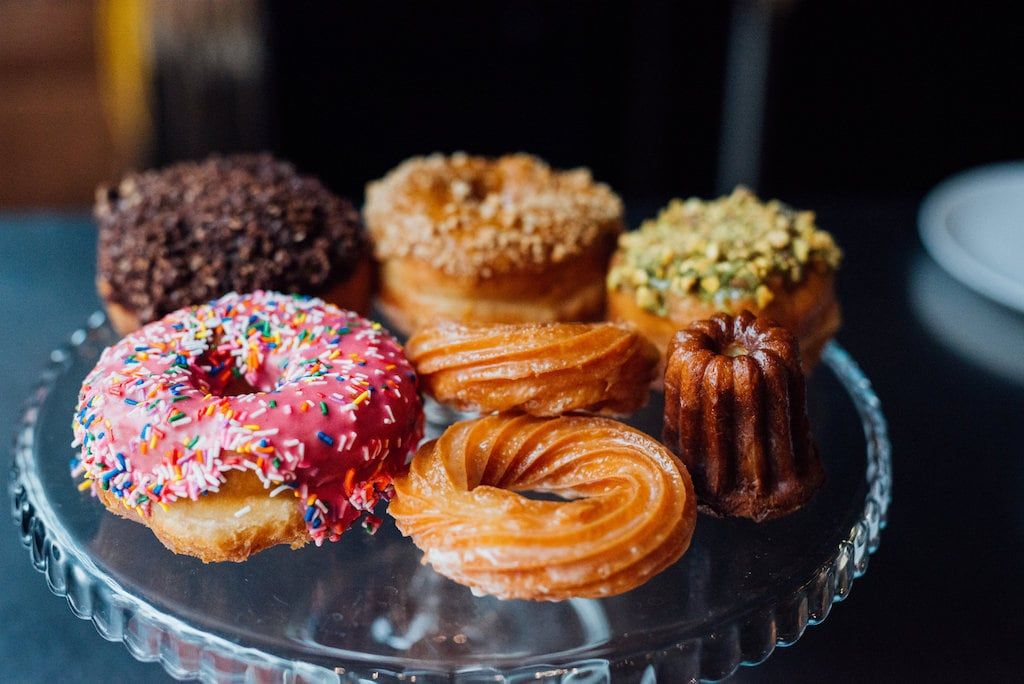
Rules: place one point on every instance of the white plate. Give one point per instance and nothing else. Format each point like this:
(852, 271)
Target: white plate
(973, 226)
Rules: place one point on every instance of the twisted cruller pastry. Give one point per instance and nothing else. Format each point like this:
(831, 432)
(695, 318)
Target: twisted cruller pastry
(632, 514)
(540, 369)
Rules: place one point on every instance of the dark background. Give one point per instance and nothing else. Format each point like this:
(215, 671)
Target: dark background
(867, 106)
(861, 96)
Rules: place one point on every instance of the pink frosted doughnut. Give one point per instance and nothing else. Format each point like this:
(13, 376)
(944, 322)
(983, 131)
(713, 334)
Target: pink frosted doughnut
(316, 402)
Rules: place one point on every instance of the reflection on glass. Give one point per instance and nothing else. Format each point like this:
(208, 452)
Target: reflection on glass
(959, 318)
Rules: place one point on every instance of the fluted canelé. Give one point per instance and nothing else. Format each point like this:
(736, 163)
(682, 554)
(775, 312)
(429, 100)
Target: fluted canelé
(544, 369)
(631, 515)
(736, 414)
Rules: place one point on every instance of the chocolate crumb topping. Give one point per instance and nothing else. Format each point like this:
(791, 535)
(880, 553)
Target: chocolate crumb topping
(192, 231)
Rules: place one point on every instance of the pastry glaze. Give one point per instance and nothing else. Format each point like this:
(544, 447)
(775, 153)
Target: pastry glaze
(735, 413)
(540, 369)
(631, 514)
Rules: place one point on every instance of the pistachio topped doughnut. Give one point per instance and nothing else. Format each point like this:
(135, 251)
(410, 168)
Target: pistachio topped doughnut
(251, 421)
(735, 253)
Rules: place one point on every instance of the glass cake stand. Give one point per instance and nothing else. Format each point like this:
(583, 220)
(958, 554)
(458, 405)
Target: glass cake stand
(365, 609)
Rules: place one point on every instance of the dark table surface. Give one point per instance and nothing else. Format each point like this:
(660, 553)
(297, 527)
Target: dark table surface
(942, 597)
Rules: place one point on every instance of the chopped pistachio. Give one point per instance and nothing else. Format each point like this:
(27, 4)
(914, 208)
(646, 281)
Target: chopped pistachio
(659, 283)
(778, 238)
(710, 284)
(801, 250)
(614, 279)
(646, 298)
(684, 283)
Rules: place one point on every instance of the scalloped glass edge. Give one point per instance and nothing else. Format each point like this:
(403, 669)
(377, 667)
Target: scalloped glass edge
(188, 653)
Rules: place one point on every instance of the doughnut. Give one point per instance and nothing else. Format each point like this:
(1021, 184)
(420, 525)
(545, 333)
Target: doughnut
(505, 240)
(544, 369)
(253, 420)
(732, 254)
(182, 235)
(631, 514)
(736, 414)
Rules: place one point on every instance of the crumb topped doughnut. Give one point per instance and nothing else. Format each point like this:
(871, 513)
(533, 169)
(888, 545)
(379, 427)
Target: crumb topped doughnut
(731, 254)
(476, 216)
(501, 240)
(187, 233)
(251, 400)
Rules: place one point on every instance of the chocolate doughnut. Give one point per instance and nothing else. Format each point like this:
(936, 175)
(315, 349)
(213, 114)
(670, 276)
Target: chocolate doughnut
(190, 232)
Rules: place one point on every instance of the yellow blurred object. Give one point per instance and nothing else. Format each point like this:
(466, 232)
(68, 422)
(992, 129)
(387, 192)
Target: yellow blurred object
(73, 98)
(125, 66)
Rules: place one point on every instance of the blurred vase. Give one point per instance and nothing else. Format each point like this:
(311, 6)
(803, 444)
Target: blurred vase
(208, 78)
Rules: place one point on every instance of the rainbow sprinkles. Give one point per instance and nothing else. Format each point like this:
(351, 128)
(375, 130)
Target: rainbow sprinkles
(315, 401)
